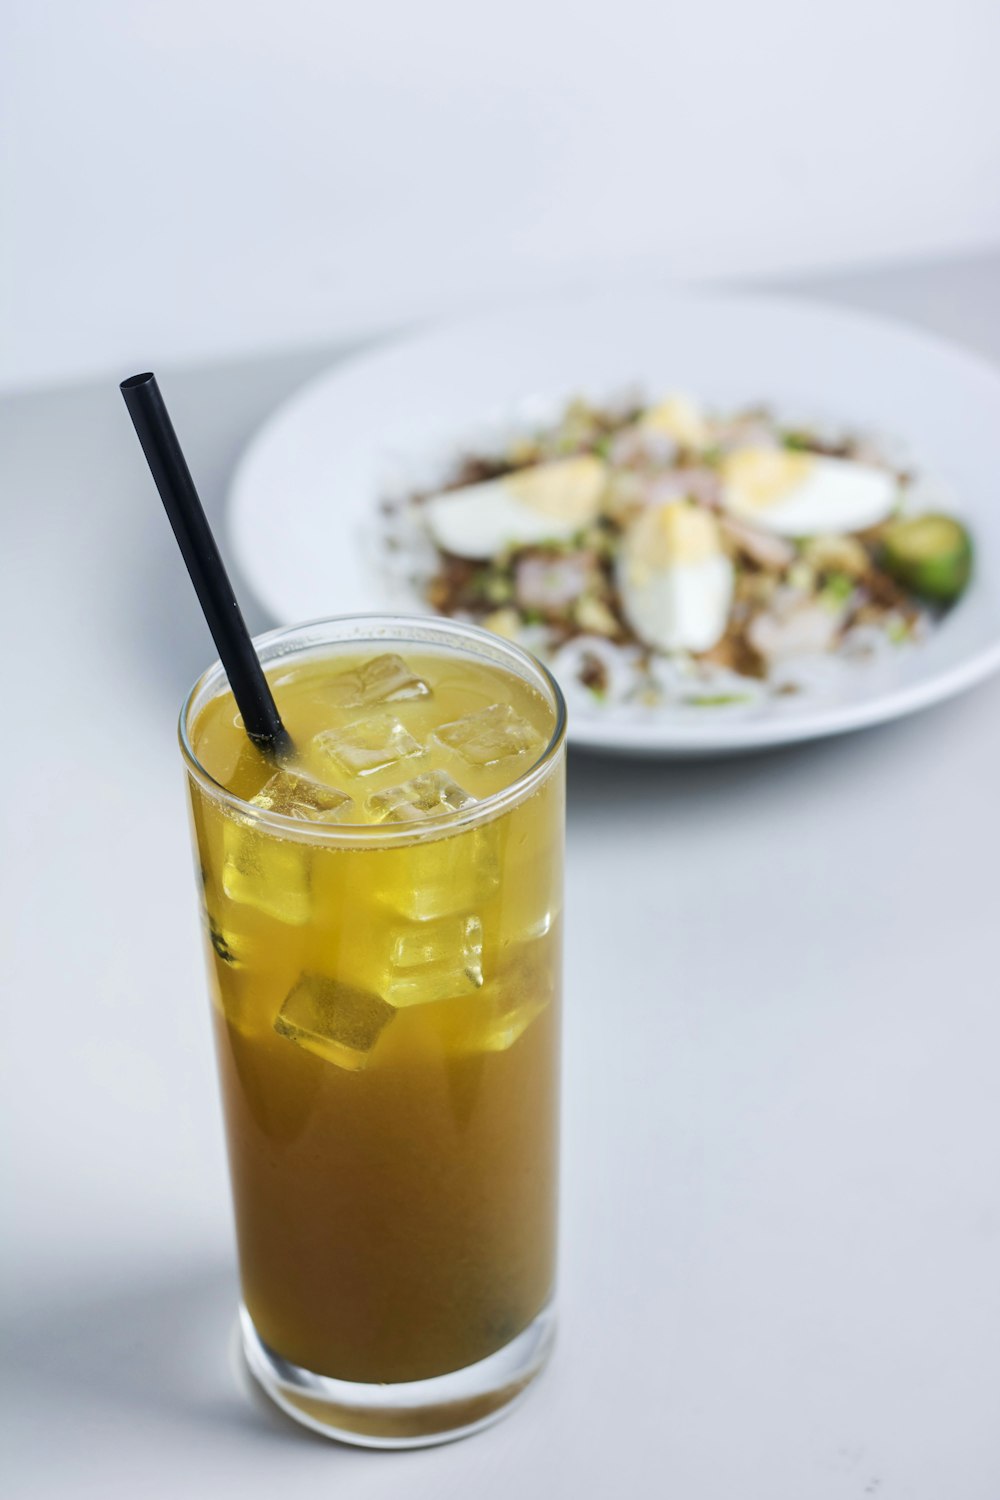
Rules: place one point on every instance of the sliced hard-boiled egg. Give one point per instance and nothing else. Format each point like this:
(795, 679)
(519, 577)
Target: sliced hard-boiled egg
(675, 580)
(805, 494)
(680, 418)
(549, 502)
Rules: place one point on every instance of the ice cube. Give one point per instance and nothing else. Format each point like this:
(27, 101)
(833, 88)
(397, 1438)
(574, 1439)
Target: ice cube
(489, 735)
(426, 796)
(516, 995)
(383, 679)
(272, 873)
(435, 960)
(335, 1021)
(267, 873)
(296, 796)
(368, 745)
(435, 877)
(509, 1019)
(446, 885)
(441, 877)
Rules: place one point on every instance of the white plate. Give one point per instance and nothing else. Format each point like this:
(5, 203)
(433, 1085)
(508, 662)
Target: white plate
(304, 497)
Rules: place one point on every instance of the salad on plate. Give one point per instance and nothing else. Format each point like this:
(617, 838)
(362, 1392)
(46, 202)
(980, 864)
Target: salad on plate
(663, 555)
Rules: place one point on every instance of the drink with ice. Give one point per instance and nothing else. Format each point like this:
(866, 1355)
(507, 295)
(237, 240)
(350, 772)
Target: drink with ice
(383, 917)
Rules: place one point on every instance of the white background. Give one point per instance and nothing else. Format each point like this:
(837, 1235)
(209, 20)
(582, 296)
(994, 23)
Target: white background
(206, 177)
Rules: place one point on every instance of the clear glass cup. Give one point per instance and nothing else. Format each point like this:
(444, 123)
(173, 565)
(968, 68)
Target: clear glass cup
(395, 1198)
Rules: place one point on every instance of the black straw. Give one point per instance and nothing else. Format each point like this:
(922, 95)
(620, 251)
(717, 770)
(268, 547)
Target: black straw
(208, 573)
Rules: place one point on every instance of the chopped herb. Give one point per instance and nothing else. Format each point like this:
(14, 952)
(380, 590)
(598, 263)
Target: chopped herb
(837, 589)
(492, 586)
(499, 590)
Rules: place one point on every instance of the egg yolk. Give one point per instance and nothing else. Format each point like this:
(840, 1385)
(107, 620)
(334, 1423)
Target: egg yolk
(763, 477)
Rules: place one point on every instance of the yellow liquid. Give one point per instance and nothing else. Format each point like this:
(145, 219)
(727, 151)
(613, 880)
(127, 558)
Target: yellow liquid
(387, 1019)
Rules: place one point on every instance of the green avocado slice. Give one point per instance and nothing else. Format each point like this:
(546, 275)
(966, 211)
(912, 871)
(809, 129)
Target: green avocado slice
(929, 555)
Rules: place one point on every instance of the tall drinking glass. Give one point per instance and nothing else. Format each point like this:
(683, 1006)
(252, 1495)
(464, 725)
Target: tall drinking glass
(384, 932)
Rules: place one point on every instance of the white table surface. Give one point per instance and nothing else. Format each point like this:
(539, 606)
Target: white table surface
(781, 1251)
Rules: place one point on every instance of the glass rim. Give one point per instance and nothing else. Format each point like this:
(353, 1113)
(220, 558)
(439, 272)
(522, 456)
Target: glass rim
(409, 627)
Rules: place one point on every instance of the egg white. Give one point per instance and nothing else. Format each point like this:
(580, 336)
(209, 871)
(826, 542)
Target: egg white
(674, 579)
(549, 502)
(805, 494)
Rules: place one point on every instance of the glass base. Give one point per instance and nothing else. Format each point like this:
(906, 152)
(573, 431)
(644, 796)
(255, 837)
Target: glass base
(416, 1414)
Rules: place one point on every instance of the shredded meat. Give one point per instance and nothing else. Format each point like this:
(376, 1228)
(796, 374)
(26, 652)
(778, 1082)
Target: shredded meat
(594, 673)
(735, 653)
